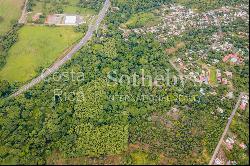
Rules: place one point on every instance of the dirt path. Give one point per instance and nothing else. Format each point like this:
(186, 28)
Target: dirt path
(23, 18)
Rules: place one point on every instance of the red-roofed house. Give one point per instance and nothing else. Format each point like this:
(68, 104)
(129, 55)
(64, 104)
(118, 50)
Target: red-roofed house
(243, 106)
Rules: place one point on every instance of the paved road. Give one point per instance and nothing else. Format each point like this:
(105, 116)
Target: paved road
(225, 130)
(67, 57)
(23, 17)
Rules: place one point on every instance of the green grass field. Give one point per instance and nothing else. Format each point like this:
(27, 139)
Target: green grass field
(142, 19)
(10, 11)
(213, 79)
(36, 47)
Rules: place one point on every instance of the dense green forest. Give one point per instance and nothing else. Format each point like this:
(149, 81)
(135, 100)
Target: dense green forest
(95, 117)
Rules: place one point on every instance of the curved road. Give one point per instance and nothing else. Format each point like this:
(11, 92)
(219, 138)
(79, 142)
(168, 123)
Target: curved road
(67, 57)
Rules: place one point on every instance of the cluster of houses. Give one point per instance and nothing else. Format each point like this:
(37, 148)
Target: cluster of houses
(202, 77)
(229, 143)
(226, 46)
(221, 79)
(202, 74)
(178, 19)
(231, 140)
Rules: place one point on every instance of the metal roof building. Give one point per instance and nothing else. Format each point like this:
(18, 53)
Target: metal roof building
(70, 20)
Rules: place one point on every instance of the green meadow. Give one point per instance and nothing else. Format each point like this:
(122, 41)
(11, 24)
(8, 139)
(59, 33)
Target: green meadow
(38, 46)
(142, 19)
(213, 78)
(10, 11)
